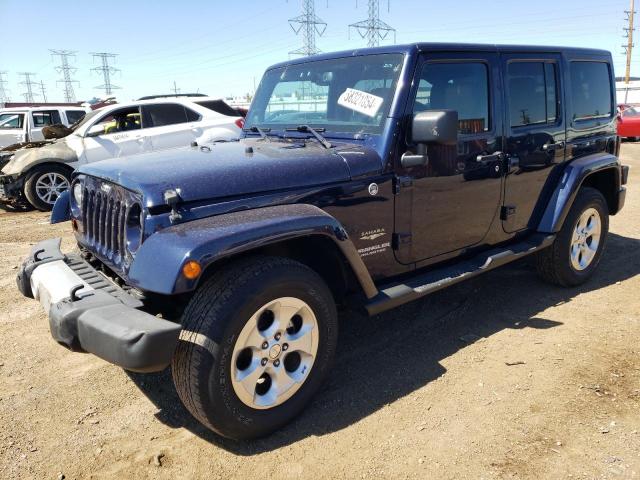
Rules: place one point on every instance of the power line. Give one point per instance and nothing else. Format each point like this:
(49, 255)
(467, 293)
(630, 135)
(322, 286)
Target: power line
(4, 92)
(106, 70)
(66, 70)
(310, 25)
(373, 29)
(28, 83)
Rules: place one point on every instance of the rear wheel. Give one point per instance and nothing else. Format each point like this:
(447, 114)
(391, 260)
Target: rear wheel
(258, 339)
(576, 252)
(44, 184)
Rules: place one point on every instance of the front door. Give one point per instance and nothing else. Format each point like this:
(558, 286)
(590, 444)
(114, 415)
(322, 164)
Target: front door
(122, 135)
(535, 133)
(450, 203)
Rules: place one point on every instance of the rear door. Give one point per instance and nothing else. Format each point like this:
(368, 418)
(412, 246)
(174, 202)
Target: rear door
(41, 119)
(170, 125)
(535, 132)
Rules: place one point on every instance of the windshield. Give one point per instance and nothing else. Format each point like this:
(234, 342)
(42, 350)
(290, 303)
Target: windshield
(11, 120)
(630, 112)
(351, 94)
(84, 120)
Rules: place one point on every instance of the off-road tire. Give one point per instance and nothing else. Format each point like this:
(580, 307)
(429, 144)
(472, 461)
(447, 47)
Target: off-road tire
(32, 178)
(211, 323)
(554, 263)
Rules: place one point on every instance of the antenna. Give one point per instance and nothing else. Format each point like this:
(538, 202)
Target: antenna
(310, 25)
(106, 70)
(67, 71)
(4, 92)
(28, 83)
(373, 29)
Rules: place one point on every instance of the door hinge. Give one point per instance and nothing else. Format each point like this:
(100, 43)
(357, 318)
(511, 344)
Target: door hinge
(401, 182)
(399, 239)
(506, 211)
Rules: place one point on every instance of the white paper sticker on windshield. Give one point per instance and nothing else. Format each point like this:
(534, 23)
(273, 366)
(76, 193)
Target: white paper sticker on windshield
(360, 101)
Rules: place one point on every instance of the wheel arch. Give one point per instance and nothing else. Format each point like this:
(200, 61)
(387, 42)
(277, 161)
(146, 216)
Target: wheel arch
(601, 171)
(302, 232)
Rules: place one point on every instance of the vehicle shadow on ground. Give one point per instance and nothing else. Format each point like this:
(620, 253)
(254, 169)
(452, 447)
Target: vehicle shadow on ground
(383, 358)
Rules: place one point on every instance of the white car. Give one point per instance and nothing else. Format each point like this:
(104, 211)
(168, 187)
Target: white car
(25, 124)
(39, 175)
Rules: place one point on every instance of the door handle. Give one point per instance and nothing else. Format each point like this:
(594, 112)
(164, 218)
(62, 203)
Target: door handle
(552, 147)
(492, 157)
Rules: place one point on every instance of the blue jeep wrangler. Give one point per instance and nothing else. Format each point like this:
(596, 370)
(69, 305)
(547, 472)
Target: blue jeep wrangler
(372, 176)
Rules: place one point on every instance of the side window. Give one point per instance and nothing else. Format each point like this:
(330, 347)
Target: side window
(164, 114)
(591, 90)
(74, 115)
(532, 91)
(191, 115)
(122, 120)
(11, 120)
(458, 86)
(45, 117)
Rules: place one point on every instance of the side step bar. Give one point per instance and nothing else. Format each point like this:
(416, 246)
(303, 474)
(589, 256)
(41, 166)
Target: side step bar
(392, 295)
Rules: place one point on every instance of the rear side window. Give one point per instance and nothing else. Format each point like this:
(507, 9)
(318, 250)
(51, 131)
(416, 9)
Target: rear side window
(220, 107)
(463, 87)
(532, 90)
(74, 115)
(591, 90)
(164, 114)
(46, 117)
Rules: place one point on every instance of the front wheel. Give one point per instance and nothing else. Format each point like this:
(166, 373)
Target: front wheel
(576, 252)
(258, 339)
(44, 184)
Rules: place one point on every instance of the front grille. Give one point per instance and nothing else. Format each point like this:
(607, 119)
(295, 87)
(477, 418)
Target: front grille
(105, 207)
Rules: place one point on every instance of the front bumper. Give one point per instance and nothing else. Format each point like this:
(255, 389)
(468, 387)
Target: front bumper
(11, 186)
(88, 313)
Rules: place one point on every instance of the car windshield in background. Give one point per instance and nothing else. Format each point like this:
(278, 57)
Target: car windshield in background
(220, 107)
(11, 120)
(351, 94)
(631, 112)
(84, 120)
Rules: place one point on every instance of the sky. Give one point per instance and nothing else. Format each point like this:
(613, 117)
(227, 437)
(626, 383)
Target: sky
(221, 48)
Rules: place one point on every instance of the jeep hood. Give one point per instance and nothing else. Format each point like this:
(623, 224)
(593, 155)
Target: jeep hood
(33, 154)
(236, 168)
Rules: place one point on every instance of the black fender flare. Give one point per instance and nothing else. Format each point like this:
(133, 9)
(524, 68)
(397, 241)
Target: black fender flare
(157, 266)
(574, 175)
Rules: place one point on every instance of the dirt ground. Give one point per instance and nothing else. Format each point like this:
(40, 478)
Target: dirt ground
(545, 384)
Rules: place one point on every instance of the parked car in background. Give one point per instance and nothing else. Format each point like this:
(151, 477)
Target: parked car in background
(629, 122)
(39, 175)
(25, 124)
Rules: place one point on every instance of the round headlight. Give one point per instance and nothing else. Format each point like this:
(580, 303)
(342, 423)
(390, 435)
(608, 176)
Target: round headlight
(77, 194)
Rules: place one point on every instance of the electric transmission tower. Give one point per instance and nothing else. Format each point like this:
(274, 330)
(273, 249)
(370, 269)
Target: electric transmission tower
(106, 70)
(67, 71)
(4, 92)
(309, 24)
(373, 29)
(28, 83)
(44, 92)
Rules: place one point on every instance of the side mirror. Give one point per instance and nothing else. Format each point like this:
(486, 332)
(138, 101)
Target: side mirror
(433, 126)
(94, 131)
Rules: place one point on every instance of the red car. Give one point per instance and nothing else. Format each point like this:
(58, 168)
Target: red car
(629, 123)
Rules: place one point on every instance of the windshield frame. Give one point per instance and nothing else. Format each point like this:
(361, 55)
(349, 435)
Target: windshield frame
(328, 129)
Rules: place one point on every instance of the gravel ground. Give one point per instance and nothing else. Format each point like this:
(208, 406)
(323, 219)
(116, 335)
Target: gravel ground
(499, 377)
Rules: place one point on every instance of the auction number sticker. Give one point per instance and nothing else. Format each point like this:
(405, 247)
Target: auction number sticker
(360, 101)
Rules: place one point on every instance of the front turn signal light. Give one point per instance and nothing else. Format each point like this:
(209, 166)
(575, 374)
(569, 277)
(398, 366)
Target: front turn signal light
(191, 270)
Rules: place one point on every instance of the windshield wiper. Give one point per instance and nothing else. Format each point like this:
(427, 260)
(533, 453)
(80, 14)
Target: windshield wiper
(313, 131)
(261, 131)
